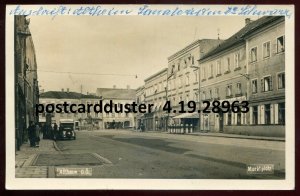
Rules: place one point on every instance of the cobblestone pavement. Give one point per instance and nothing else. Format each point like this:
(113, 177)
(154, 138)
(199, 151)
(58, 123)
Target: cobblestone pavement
(26, 156)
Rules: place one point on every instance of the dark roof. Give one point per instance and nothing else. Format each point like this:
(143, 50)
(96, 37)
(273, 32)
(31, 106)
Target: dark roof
(66, 95)
(239, 36)
(116, 93)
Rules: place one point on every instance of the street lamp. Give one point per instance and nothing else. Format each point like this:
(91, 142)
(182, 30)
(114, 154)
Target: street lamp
(199, 92)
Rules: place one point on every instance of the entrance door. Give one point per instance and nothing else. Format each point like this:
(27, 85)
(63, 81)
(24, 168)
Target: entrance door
(221, 121)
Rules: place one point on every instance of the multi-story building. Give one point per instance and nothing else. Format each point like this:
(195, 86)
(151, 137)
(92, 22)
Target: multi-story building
(26, 81)
(242, 68)
(266, 71)
(155, 93)
(59, 97)
(183, 78)
(118, 96)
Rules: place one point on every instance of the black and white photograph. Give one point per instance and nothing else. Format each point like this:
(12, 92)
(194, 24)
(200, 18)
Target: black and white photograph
(153, 97)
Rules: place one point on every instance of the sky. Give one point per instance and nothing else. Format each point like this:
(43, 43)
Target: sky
(119, 46)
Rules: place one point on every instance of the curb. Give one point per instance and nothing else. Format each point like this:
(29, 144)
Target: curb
(56, 147)
(235, 137)
(224, 136)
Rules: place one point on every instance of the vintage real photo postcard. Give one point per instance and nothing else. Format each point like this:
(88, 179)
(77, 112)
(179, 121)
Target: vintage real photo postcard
(150, 97)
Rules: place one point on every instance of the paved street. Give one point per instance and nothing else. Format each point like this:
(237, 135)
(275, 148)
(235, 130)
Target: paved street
(128, 154)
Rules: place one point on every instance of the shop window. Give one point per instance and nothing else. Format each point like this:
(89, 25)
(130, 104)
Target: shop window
(255, 115)
(239, 118)
(267, 114)
(229, 116)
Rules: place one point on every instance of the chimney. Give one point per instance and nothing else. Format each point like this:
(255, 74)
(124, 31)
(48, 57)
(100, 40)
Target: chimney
(128, 87)
(247, 21)
(68, 90)
(115, 86)
(62, 90)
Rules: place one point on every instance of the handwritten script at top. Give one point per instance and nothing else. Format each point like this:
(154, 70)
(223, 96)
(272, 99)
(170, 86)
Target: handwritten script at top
(148, 10)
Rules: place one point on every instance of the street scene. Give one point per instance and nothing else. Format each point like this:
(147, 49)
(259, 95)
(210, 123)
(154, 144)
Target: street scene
(129, 154)
(162, 99)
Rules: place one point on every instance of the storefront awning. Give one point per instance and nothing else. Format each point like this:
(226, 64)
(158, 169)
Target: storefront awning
(188, 115)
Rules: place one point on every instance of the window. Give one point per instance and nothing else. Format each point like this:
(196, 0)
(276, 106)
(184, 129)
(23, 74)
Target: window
(211, 70)
(218, 67)
(203, 73)
(236, 60)
(254, 86)
(203, 95)
(281, 113)
(266, 50)
(185, 63)
(228, 64)
(187, 98)
(181, 81)
(210, 94)
(267, 84)
(238, 88)
(172, 69)
(187, 79)
(193, 60)
(255, 115)
(267, 114)
(253, 54)
(217, 93)
(178, 67)
(229, 91)
(196, 75)
(281, 80)
(196, 97)
(280, 44)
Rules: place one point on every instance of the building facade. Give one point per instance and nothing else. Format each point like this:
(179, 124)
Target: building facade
(183, 79)
(118, 96)
(249, 66)
(26, 80)
(86, 120)
(155, 93)
(266, 65)
(140, 99)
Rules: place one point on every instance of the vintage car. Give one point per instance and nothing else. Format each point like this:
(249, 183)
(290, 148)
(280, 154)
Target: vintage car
(66, 130)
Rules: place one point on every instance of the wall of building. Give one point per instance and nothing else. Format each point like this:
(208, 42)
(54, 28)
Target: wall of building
(267, 107)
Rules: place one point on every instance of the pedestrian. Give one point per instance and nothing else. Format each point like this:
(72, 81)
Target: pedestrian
(31, 134)
(44, 131)
(37, 135)
(55, 131)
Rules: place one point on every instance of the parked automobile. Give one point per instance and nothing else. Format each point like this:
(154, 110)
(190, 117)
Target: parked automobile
(66, 130)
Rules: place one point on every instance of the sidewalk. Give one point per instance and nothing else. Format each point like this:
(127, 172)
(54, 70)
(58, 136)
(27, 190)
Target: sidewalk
(226, 135)
(27, 155)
